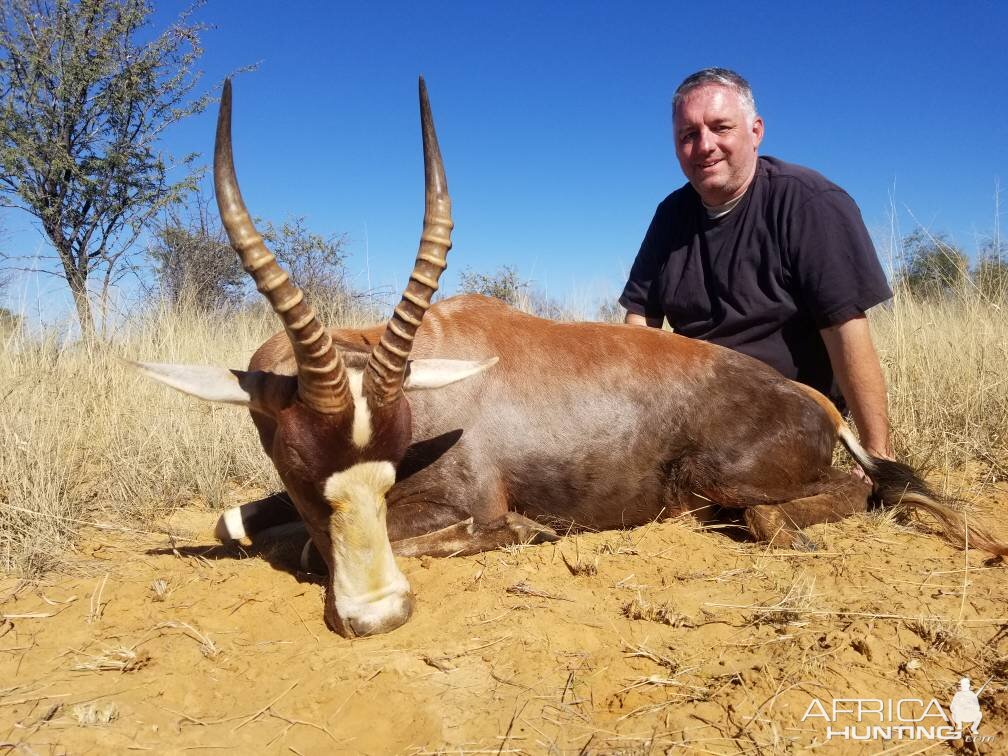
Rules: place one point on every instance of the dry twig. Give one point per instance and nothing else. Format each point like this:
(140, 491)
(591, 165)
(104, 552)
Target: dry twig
(524, 589)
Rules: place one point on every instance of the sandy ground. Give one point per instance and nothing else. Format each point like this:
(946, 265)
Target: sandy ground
(644, 641)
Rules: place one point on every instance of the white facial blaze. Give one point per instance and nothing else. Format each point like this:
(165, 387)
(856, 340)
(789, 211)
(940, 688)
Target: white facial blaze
(362, 415)
(367, 582)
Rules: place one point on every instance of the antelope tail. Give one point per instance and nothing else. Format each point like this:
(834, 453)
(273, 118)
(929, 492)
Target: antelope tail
(897, 485)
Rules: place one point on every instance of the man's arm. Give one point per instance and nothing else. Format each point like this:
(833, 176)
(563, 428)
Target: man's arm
(641, 293)
(640, 320)
(859, 373)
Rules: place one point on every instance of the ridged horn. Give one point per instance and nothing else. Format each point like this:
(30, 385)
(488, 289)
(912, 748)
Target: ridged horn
(322, 379)
(386, 367)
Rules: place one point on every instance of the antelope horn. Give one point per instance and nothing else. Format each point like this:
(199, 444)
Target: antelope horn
(386, 367)
(322, 379)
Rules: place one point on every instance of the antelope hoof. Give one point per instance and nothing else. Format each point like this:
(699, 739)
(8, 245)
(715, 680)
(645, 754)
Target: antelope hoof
(311, 560)
(529, 531)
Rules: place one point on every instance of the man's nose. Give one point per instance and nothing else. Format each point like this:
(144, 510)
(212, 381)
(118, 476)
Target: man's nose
(705, 141)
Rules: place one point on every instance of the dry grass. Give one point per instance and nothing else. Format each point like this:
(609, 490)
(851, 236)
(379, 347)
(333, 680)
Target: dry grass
(796, 600)
(580, 565)
(207, 647)
(639, 608)
(95, 715)
(944, 361)
(88, 440)
(114, 660)
(941, 635)
(160, 590)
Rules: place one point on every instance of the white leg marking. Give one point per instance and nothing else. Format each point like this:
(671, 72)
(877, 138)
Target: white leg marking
(231, 527)
(362, 415)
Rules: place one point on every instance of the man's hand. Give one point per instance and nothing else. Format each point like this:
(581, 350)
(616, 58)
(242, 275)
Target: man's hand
(640, 320)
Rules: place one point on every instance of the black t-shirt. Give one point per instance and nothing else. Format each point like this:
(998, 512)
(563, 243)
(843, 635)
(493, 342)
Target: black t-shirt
(792, 257)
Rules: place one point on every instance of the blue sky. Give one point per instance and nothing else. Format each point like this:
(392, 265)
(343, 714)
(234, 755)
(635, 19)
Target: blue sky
(554, 119)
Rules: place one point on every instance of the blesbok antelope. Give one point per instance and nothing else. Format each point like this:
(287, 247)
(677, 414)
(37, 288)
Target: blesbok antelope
(463, 426)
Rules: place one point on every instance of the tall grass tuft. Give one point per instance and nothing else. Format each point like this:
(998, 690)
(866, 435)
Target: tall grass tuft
(945, 360)
(90, 439)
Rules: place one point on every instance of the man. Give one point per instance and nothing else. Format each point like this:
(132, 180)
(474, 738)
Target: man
(762, 256)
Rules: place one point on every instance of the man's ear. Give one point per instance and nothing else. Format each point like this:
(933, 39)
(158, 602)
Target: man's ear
(758, 131)
(431, 374)
(263, 391)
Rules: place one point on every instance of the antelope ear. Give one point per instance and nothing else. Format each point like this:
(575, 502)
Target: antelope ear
(431, 374)
(207, 382)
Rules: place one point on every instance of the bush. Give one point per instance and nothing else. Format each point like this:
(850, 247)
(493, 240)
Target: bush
(197, 270)
(317, 265)
(10, 323)
(194, 263)
(509, 287)
(991, 277)
(505, 285)
(610, 312)
(930, 266)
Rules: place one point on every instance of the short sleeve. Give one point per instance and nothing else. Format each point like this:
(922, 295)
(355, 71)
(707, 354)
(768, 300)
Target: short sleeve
(833, 261)
(641, 295)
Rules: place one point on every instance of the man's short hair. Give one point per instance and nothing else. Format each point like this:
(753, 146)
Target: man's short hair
(724, 77)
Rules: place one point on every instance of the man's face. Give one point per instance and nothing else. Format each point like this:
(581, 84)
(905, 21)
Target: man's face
(716, 143)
